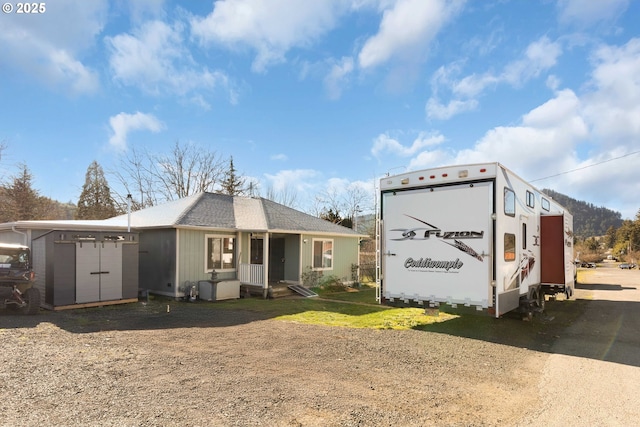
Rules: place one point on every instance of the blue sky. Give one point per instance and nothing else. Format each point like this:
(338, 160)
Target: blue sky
(327, 96)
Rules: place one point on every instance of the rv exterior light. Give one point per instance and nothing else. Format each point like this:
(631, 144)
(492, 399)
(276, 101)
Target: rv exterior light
(404, 181)
(483, 170)
(421, 178)
(432, 177)
(463, 173)
(444, 175)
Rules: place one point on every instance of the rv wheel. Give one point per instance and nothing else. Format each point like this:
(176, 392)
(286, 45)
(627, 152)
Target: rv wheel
(541, 300)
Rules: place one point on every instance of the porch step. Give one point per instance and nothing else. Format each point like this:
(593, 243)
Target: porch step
(302, 291)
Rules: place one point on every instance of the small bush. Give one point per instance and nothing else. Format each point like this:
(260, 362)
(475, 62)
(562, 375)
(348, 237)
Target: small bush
(332, 283)
(311, 278)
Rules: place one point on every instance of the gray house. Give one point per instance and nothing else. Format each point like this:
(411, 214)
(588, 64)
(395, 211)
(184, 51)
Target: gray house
(250, 241)
(253, 241)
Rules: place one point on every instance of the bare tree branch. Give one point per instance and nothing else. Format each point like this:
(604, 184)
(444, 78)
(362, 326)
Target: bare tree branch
(155, 178)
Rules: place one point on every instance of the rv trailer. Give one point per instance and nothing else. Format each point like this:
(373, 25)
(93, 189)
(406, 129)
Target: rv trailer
(473, 235)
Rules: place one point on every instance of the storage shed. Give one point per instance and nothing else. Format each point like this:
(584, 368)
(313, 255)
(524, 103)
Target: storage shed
(81, 267)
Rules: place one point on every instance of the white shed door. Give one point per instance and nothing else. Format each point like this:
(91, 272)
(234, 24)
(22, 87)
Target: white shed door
(98, 272)
(111, 272)
(87, 272)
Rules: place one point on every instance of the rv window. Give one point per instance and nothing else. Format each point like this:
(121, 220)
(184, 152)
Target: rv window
(509, 247)
(322, 254)
(524, 236)
(509, 202)
(531, 200)
(545, 204)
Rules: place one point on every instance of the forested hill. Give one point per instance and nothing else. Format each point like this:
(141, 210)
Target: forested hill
(588, 220)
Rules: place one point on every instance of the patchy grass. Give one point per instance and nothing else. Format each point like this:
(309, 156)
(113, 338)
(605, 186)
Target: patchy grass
(353, 308)
(387, 318)
(364, 294)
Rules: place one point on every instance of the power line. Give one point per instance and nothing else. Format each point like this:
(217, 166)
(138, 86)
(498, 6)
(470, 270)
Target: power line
(588, 166)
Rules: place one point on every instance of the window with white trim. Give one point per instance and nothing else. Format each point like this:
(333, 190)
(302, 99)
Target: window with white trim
(322, 254)
(220, 252)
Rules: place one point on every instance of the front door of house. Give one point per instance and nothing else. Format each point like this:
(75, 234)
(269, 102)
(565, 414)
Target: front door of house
(276, 260)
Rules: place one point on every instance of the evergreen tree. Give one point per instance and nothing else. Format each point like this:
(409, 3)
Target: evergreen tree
(95, 200)
(20, 202)
(232, 184)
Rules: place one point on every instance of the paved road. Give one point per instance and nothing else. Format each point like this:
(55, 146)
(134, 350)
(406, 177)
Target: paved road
(592, 377)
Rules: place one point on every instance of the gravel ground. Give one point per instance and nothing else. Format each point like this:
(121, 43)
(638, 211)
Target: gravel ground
(198, 365)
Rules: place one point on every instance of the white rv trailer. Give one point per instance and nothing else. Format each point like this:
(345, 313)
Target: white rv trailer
(472, 235)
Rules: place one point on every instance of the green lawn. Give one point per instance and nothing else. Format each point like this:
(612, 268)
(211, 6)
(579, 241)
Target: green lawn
(354, 309)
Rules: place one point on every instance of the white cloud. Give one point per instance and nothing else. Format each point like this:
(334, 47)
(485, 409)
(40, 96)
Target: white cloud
(123, 123)
(439, 111)
(280, 157)
(50, 49)
(586, 13)
(406, 30)
(269, 27)
(155, 59)
(301, 180)
(540, 56)
(613, 107)
(386, 144)
(543, 143)
(338, 77)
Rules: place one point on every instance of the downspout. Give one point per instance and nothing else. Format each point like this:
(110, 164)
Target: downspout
(26, 236)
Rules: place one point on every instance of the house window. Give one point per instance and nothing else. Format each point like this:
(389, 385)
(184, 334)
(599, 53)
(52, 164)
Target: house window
(220, 252)
(322, 254)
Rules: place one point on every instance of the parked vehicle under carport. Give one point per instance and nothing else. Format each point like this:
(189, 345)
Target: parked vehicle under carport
(16, 279)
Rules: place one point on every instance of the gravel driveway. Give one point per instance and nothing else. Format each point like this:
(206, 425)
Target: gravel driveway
(198, 365)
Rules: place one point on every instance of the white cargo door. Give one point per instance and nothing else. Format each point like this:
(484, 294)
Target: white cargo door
(437, 244)
(111, 271)
(87, 272)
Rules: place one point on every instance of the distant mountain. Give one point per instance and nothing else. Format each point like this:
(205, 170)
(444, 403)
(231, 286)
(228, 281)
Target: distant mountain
(588, 220)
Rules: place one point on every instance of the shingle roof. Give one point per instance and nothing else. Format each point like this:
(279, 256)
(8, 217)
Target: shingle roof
(221, 211)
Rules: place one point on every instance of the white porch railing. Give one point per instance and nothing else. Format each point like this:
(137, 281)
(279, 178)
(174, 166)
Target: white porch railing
(252, 274)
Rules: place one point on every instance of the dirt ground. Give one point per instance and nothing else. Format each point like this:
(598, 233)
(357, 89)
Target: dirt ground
(199, 365)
